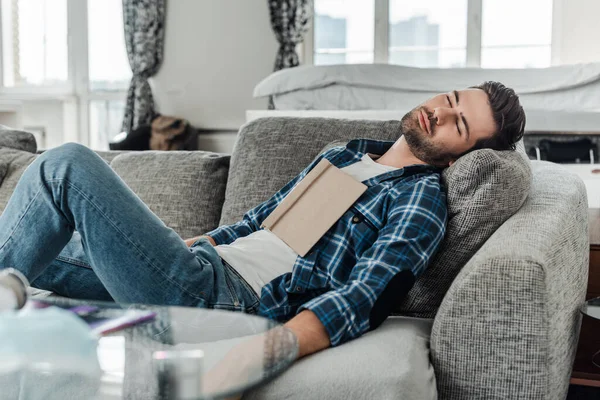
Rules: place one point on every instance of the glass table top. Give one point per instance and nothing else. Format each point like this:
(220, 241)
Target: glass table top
(187, 353)
(591, 308)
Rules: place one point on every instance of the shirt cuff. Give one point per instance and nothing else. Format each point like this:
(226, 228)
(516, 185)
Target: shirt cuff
(220, 236)
(334, 312)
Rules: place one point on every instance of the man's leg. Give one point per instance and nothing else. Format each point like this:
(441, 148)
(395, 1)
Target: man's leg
(135, 256)
(71, 275)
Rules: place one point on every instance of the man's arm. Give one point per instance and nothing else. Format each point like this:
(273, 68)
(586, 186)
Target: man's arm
(252, 220)
(236, 364)
(311, 333)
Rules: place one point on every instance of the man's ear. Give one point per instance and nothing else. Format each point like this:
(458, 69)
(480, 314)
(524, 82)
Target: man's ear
(451, 162)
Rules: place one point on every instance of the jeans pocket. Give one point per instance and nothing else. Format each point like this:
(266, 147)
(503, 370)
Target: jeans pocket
(241, 292)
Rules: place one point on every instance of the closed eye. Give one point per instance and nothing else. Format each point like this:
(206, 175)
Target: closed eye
(450, 103)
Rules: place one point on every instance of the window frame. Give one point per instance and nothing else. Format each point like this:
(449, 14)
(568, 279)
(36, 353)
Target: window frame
(474, 33)
(75, 93)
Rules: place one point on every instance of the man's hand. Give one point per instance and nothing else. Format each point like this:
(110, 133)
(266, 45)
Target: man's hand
(190, 242)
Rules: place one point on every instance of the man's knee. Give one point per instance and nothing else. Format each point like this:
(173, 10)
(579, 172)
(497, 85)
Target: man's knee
(69, 153)
(66, 156)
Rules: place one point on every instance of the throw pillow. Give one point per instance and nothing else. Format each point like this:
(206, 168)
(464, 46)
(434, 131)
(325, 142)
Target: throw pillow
(19, 140)
(484, 189)
(184, 189)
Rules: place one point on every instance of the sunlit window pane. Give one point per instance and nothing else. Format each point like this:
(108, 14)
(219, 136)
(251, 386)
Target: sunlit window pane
(344, 31)
(516, 39)
(34, 42)
(106, 117)
(108, 63)
(428, 33)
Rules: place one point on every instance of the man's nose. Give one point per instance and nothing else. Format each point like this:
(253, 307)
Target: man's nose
(442, 115)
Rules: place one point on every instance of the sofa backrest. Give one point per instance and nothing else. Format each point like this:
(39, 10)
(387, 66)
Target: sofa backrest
(185, 189)
(269, 152)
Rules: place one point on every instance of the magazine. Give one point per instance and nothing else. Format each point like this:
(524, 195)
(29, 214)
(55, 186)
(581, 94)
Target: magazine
(103, 320)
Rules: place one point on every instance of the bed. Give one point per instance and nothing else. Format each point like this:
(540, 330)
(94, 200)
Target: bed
(562, 98)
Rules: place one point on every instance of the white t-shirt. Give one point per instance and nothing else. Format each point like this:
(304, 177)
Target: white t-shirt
(261, 256)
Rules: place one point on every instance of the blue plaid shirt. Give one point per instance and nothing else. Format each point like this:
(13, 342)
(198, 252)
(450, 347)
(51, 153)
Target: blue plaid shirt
(392, 230)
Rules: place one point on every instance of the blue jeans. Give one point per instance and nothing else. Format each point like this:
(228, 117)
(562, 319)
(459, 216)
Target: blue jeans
(74, 227)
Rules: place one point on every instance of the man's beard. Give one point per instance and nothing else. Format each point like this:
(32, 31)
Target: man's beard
(420, 143)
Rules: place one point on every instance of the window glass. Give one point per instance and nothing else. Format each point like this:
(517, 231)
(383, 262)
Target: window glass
(106, 117)
(344, 31)
(34, 42)
(108, 63)
(428, 33)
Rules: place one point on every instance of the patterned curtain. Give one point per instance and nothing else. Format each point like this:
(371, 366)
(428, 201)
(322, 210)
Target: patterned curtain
(144, 22)
(290, 21)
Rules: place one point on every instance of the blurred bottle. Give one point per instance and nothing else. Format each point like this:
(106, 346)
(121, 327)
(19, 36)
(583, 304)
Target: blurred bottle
(13, 289)
(179, 374)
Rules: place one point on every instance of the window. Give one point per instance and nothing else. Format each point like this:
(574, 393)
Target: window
(108, 63)
(106, 117)
(34, 42)
(67, 66)
(428, 33)
(433, 33)
(344, 31)
(109, 71)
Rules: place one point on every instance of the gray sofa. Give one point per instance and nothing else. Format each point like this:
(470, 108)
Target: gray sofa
(505, 326)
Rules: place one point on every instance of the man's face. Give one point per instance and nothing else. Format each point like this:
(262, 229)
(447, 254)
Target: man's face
(447, 125)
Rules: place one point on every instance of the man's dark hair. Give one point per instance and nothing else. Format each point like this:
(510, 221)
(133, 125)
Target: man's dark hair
(508, 114)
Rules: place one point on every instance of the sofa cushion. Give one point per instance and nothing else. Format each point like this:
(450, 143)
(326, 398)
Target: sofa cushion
(16, 139)
(271, 151)
(12, 165)
(484, 189)
(184, 189)
(391, 362)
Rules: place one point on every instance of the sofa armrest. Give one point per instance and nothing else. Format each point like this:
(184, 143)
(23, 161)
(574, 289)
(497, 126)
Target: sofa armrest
(509, 325)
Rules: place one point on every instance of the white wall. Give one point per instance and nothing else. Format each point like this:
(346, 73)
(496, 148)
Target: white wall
(578, 31)
(216, 51)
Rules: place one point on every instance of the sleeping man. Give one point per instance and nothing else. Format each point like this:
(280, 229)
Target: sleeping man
(72, 226)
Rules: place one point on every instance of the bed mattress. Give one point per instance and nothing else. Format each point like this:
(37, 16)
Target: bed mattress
(394, 87)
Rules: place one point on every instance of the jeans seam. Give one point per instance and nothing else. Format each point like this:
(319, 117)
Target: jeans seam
(73, 261)
(236, 300)
(136, 247)
(21, 218)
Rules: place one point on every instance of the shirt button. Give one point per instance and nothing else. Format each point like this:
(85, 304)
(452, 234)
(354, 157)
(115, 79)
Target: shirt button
(355, 219)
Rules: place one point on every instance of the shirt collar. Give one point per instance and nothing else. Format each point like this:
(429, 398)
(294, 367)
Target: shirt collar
(356, 148)
(359, 147)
